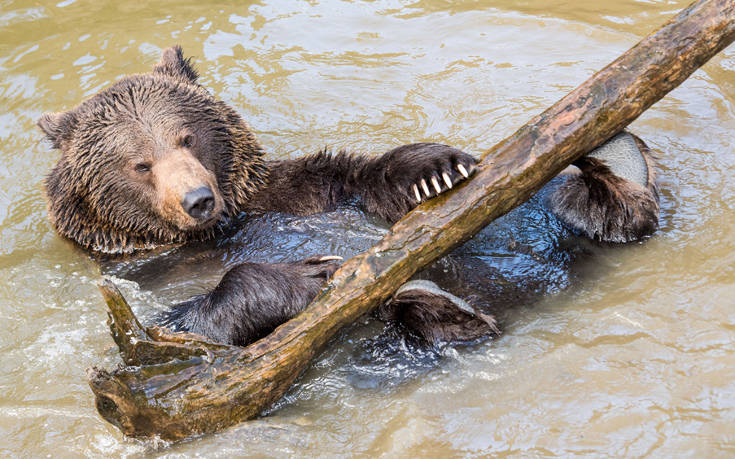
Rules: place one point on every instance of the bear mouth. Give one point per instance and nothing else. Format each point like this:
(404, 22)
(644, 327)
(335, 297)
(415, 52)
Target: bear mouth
(205, 223)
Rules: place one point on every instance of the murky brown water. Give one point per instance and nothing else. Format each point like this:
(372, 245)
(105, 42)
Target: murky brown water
(607, 350)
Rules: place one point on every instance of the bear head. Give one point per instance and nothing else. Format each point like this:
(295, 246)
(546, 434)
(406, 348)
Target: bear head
(154, 159)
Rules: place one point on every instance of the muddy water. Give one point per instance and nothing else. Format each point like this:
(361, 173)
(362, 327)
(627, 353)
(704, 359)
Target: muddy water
(607, 350)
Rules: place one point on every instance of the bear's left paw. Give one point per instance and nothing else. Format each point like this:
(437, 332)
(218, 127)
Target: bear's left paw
(436, 315)
(425, 170)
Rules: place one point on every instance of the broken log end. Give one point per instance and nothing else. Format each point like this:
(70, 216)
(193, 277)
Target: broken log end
(125, 328)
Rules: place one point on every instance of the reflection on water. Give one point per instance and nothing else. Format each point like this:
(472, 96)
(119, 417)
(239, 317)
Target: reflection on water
(611, 350)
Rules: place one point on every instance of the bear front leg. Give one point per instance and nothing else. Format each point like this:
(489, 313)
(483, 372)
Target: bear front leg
(393, 184)
(252, 300)
(388, 186)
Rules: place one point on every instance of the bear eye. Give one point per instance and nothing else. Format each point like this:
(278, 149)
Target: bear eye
(187, 141)
(142, 167)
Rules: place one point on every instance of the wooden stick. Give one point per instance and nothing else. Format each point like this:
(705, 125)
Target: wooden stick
(206, 391)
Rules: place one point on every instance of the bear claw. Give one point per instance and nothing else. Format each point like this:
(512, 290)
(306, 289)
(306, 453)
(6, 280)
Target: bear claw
(436, 184)
(447, 180)
(331, 258)
(425, 188)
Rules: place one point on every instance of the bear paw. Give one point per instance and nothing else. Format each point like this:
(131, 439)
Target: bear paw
(436, 315)
(425, 170)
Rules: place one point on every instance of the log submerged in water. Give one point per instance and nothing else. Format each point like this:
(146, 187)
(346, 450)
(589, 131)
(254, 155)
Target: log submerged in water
(180, 385)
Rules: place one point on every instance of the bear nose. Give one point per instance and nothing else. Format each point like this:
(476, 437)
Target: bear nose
(198, 203)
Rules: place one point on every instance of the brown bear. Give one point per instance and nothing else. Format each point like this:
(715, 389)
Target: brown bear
(155, 159)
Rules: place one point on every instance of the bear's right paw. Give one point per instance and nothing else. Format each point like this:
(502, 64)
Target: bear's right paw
(425, 170)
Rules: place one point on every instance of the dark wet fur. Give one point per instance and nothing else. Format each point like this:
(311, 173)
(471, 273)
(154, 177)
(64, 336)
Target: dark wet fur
(605, 207)
(251, 300)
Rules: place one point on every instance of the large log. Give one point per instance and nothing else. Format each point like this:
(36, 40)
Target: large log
(181, 385)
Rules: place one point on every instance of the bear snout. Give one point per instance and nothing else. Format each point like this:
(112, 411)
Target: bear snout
(199, 203)
(187, 194)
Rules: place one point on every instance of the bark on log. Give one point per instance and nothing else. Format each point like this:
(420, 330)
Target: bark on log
(183, 385)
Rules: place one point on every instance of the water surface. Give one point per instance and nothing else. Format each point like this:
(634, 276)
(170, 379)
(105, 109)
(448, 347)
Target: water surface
(606, 350)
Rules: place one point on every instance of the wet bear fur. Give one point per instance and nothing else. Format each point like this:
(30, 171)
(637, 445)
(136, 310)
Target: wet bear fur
(134, 154)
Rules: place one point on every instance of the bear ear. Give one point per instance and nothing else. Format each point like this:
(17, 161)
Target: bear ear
(174, 64)
(58, 126)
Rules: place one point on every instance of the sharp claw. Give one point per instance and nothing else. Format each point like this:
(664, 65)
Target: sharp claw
(435, 182)
(462, 170)
(416, 192)
(425, 188)
(331, 258)
(447, 180)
